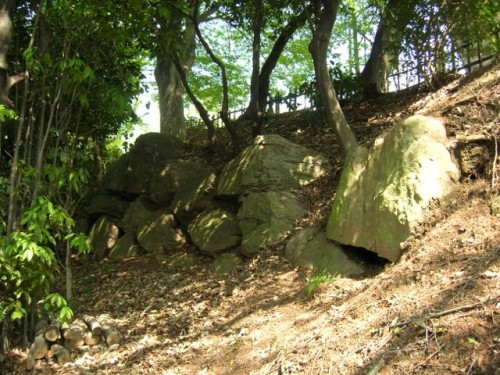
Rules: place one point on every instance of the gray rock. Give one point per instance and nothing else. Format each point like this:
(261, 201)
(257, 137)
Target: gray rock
(383, 193)
(182, 185)
(264, 218)
(138, 213)
(131, 175)
(154, 227)
(271, 163)
(103, 236)
(106, 204)
(157, 146)
(126, 246)
(311, 250)
(159, 235)
(215, 232)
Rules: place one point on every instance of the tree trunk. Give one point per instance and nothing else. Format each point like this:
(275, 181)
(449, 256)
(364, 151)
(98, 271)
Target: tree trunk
(170, 92)
(254, 108)
(202, 111)
(224, 112)
(170, 86)
(272, 59)
(6, 82)
(355, 41)
(325, 13)
(384, 52)
(6, 12)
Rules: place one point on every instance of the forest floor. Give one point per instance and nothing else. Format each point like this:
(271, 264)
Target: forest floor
(435, 311)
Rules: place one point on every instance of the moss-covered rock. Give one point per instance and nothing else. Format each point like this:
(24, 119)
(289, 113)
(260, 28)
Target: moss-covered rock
(215, 232)
(311, 250)
(265, 218)
(271, 163)
(382, 193)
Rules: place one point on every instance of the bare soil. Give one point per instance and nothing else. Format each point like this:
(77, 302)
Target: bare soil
(435, 311)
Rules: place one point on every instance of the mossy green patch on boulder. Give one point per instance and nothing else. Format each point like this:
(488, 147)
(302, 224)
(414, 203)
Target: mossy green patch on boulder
(155, 228)
(180, 184)
(106, 204)
(132, 174)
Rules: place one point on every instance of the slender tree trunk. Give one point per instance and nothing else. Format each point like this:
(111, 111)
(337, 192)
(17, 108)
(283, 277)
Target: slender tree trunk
(96, 151)
(6, 12)
(254, 107)
(170, 87)
(196, 102)
(6, 82)
(170, 91)
(377, 69)
(355, 41)
(69, 274)
(224, 112)
(324, 16)
(271, 61)
(384, 52)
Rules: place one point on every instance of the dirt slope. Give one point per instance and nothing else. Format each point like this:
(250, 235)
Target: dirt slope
(436, 311)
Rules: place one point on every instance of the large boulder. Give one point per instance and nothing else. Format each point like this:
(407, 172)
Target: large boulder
(311, 250)
(131, 175)
(126, 246)
(215, 232)
(105, 204)
(159, 235)
(271, 163)
(103, 236)
(266, 217)
(383, 193)
(138, 213)
(182, 185)
(155, 228)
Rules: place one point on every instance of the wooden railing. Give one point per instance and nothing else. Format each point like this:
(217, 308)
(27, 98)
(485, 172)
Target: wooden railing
(462, 59)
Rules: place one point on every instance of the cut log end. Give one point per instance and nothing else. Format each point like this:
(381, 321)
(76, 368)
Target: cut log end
(40, 347)
(111, 336)
(93, 325)
(30, 362)
(62, 354)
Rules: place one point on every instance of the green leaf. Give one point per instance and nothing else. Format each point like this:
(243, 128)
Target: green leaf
(18, 311)
(66, 314)
(84, 100)
(7, 114)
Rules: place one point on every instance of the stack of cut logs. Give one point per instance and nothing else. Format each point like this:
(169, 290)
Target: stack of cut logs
(56, 340)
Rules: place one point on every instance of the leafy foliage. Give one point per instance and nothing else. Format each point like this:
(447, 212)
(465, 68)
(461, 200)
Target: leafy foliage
(7, 114)
(28, 261)
(235, 52)
(438, 25)
(316, 279)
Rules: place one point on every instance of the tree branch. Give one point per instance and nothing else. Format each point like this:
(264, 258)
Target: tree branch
(444, 312)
